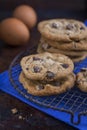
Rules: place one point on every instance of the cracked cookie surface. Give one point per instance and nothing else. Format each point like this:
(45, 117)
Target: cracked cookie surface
(63, 29)
(46, 66)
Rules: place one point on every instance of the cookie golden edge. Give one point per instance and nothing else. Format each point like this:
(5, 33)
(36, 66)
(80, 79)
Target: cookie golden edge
(44, 32)
(49, 89)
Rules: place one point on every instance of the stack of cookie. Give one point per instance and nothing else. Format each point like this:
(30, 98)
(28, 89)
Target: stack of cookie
(47, 74)
(65, 36)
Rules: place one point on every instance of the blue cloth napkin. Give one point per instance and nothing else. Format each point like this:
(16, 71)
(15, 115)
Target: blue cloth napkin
(85, 22)
(6, 86)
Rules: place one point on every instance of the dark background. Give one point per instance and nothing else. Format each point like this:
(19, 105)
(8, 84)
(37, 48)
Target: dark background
(34, 119)
(49, 8)
(44, 4)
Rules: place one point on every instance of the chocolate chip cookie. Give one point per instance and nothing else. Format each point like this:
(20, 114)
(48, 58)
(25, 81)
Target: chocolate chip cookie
(42, 88)
(81, 80)
(46, 66)
(48, 48)
(63, 30)
(73, 45)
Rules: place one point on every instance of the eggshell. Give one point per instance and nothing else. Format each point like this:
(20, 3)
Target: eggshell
(14, 32)
(26, 14)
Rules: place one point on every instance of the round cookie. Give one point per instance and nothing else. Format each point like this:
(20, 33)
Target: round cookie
(74, 45)
(47, 48)
(62, 29)
(45, 89)
(46, 66)
(81, 80)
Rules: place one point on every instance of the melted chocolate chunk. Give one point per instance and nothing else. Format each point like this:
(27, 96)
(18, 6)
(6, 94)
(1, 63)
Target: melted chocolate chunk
(83, 69)
(82, 28)
(69, 27)
(50, 75)
(36, 69)
(27, 68)
(36, 58)
(65, 66)
(55, 25)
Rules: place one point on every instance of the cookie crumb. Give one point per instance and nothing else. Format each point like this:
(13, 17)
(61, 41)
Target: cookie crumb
(30, 114)
(20, 117)
(14, 110)
(23, 118)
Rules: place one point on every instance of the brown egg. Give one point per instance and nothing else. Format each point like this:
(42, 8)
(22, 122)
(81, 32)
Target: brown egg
(26, 14)
(14, 32)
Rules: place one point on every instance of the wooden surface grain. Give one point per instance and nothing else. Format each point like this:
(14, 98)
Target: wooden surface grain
(27, 118)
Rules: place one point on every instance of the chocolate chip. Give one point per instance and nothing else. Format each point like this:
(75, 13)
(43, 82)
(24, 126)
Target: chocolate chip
(48, 47)
(83, 69)
(27, 68)
(55, 25)
(82, 28)
(69, 27)
(36, 58)
(36, 69)
(40, 87)
(65, 66)
(50, 75)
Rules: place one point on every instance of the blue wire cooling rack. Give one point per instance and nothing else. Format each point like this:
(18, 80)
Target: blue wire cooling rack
(73, 101)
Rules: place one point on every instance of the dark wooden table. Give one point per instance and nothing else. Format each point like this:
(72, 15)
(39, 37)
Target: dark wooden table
(26, 117)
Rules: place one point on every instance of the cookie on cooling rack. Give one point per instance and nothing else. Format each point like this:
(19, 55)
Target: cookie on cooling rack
(75, 45)
(46, 66)
(63, 29)
(47, 48)
(42, 88)
(81, 80)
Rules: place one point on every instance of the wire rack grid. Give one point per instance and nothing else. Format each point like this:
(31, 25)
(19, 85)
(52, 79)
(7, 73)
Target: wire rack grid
(73, 101)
